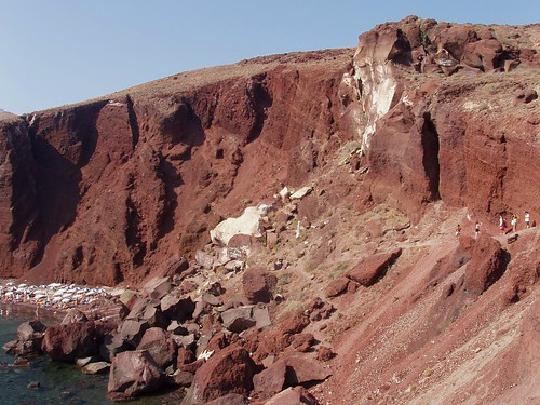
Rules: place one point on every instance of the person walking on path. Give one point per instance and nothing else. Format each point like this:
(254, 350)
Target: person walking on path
(458, 230)
(527, 220)
(476, 229)
(513, 222)
(501, 223)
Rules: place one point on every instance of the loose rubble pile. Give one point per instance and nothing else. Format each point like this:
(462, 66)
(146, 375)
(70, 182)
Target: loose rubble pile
(209, 347)
(187, 331)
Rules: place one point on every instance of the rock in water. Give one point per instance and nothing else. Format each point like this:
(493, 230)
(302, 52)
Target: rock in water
(132, 374)
(96, 368)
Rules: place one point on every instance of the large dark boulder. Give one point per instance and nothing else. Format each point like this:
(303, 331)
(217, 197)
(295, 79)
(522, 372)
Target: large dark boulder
(68, 343)
(134, 373)
(161, 347)
(257, 284)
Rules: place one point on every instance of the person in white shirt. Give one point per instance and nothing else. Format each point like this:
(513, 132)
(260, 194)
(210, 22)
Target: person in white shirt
(527, 220)
(514, 223)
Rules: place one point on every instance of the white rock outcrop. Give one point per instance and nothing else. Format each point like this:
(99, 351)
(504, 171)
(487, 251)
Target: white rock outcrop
(245, 224)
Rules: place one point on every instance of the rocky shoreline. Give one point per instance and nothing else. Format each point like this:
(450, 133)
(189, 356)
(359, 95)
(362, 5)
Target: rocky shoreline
(208, 349)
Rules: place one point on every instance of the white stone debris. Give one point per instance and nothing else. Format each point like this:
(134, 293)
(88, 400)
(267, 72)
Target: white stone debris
(205, 355)
(284, 193)
(301, 193)
(245, 224)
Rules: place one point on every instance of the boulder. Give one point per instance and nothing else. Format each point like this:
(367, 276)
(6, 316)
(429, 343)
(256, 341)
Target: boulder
(325, 354)
(67, 343)
(292, 370)
(271, 380)
(235, 265)
(218, 342)
(293, 396)
(257, 284)
(182, 378)
(176, 307)
(28, 330)
(29, 339)
(188, 341)
(133, 373)
(293, 322)
(244, 317)
(229, 399)
(486, 266)
(148, 310)
(177, 328)
(156, 288)
(336, 287)
(113, 344)
(373, 268)
(303, 342)
(319, 309)
(212, 300)
(204, 260)
(228, 371)
(305, 369)
(84, 361)
(128, 298)
(261, 316)
(301, 193)
(160, 346)
(96, 368)
(238, 319)
(184, 356)
(74, 315)
(131, 332)
(483, 54)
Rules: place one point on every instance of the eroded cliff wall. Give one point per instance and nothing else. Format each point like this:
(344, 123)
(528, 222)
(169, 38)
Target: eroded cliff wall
(105, 191)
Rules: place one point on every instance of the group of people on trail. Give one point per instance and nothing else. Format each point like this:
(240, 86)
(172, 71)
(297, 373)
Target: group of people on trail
(514, 222)
(502, 224)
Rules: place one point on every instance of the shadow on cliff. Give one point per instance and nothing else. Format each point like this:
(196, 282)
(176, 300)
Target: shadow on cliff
(58, 191)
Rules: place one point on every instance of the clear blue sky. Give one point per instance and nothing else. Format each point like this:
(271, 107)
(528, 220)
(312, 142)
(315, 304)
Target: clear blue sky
(55, 52)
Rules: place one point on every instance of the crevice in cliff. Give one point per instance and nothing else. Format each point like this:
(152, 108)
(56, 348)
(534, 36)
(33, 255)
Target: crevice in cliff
(171, 180)
(430, 155)
(262, 101)
(132, 234)
(133, 123)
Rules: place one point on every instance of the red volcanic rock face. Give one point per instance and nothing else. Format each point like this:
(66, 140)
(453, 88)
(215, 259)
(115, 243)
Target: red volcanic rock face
(102, 192)
(109, 190)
